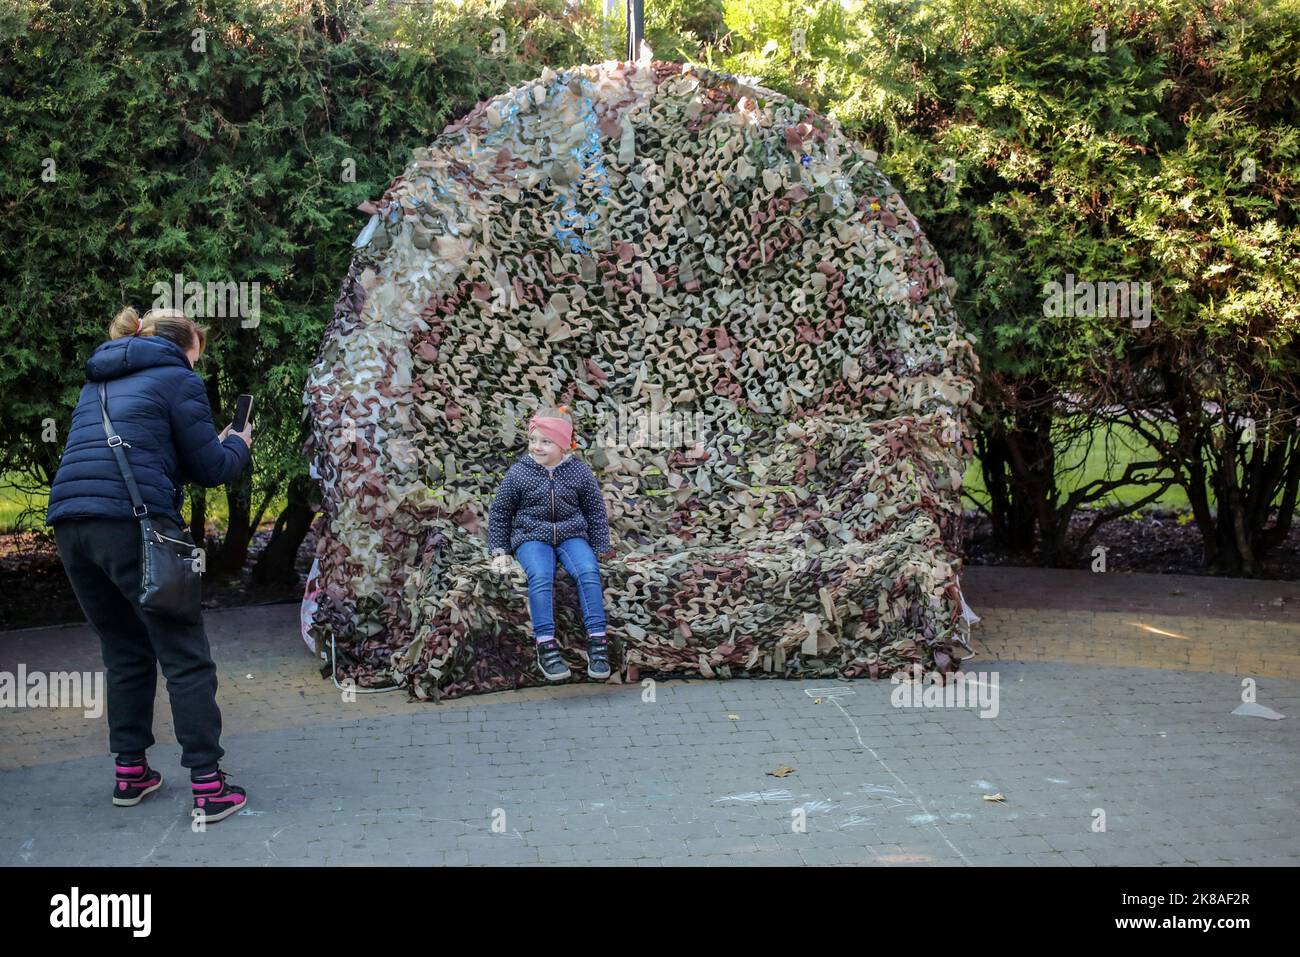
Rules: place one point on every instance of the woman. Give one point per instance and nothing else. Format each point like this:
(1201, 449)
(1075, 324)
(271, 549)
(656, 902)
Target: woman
(159, 406)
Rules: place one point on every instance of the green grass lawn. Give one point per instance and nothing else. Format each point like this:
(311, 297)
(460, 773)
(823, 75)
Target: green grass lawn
(1125, 446)
(13, 503)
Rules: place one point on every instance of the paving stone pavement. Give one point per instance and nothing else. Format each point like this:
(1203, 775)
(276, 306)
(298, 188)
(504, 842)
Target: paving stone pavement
(598, 774)
(1187, 623)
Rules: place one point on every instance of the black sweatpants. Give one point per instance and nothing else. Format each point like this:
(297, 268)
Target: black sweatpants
(102, 559)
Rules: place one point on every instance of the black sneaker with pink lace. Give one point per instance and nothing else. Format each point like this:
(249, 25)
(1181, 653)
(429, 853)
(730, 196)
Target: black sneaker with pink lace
(134, 781)
(215, 798)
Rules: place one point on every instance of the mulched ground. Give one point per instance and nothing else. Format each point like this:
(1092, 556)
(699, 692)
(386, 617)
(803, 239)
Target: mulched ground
(1164, 541)
(37, 593)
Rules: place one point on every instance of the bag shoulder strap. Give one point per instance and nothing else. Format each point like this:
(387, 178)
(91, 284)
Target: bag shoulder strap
(138, 509)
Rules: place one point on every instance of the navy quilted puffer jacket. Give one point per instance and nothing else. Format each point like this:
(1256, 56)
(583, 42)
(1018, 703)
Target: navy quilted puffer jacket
(159, 405)
(534, 505)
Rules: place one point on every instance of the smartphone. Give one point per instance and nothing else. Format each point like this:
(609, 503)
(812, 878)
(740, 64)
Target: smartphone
(242, 408)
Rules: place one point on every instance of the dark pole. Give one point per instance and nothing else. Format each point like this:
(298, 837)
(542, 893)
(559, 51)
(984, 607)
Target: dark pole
(635, 27)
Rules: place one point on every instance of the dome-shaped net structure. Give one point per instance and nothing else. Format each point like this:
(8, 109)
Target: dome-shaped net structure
(758, 348)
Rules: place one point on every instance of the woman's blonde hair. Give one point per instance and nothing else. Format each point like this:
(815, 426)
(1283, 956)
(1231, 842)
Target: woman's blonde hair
(170, 324)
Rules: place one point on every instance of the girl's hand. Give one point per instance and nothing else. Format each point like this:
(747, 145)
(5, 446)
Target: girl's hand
(502, 564)
(607, 555)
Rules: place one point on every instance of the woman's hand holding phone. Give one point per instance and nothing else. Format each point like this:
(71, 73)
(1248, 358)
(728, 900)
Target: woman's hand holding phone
(246, 435)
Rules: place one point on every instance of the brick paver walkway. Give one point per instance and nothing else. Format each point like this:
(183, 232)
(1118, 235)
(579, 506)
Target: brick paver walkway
(598, 774)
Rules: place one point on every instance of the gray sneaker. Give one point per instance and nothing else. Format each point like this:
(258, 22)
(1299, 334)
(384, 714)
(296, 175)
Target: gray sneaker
(551, 661)
(598, 658)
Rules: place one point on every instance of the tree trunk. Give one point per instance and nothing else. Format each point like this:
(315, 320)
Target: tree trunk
(234, 547)
(1011, 513)
(1290, 483)
(1035, 461)
(1019, 473)
(199, 516)
(276, 563)
(256, 522)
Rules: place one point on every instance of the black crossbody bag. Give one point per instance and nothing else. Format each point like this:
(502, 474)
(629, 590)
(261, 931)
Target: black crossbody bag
(170, 581)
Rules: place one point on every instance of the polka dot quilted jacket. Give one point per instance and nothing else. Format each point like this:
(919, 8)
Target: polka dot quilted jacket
(533, 504)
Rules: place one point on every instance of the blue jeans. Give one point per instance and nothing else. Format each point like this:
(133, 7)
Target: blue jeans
(538, 559)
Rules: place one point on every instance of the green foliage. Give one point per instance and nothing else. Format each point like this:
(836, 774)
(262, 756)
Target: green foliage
(1026, 149)
(236, 155)
(1113, 140)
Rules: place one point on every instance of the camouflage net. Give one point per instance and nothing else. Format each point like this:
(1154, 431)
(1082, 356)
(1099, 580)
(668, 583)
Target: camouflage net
(661, 241)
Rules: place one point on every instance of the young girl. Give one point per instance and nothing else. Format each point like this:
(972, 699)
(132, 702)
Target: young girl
(549, 504)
